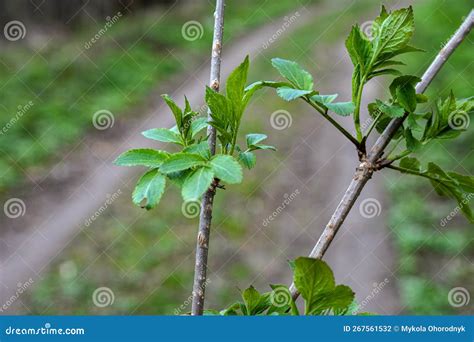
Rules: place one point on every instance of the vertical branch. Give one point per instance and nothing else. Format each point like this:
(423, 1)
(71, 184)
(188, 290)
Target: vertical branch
(202, 244)
(368, 165)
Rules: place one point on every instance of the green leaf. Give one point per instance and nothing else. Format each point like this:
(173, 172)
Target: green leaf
(324, 99)
(297, 76)
(281, 301)
(410, 164)
(411, 142)
(218, 104)
(403, 90)
(254, 138)
(392, 111)
(202, 149)
(197, 183)
(254, 302)
(141, 157)
(358, 48)
(289, 94)
(163, 134)
(248, 159)
(466, 183)
(149, 189)
(337, 300)
(181, 161)
(252, 88)
(235, 87)
(312, 277)
(227, 169)
(262, 147)
(178, 114)
(198, 125)
(341, 108)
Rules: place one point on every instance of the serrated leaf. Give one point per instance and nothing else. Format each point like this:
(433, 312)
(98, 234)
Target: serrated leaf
(248, 159)
(410, 164)
(337, 300)
(403, 90)
(141, 157)
(198, 125)
(163, 135)
(289, 94)
(197, 183)
(177, 112)
(254, 138)
(254, 87)
(218, 104)
(149, 189)
(227, 169)
(392, 111)
(235, 86)
(324, 99)
(358, 47)
(202, 149)
(181, 161)
(341, 108)
(412, 143)
(255, 303)
(297, 76)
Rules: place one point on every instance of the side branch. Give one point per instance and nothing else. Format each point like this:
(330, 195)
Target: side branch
(202, 245)
(368, 164)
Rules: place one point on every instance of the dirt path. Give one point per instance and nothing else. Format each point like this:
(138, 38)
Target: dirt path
(56, 209)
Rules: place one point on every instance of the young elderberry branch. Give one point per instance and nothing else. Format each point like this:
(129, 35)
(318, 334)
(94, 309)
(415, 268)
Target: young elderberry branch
(205, 217)
(366, 168)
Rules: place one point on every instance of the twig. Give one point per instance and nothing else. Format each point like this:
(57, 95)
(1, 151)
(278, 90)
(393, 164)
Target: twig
(202, 244)
(366, 168)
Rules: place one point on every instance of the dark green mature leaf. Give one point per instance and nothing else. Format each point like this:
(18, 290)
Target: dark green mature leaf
(142, 157)
(403, 90)
(466, 183)
(359, 48)
(197, 183)
(297, 76)
(337, 300)
(341, 108)
(412, 143)
(163, 134)
(312, 277)
(219, 105)
(289, 94)
(226, 168)
(255, 303)
(248, 159)
(149, 189)
(181, 161)
(177, 112)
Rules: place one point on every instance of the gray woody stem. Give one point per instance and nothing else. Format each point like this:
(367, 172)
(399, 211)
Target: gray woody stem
(366, 168)
(202, 244)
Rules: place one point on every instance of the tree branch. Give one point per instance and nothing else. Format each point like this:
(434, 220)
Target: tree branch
(366, 168)
(202, 244)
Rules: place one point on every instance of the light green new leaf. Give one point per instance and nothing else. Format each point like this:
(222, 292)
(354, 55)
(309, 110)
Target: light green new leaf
(289, 94)
(392, 111)
(263, 147)
(198, 125)
(177, 112)
(235, 86)
(297, 76)
(197, 183)
(248, 159)
(202, 149)
(410, 164)
(358, 47)
(218, 104)
(142, 157)
(324, 99)
(337, 300)
(255, 303)
(341, 108)
(182, 161)
(252, 88)
(412, 143)
(163, 134)
(254, 138)
(149, 189)
(227, 169)
(466, 183)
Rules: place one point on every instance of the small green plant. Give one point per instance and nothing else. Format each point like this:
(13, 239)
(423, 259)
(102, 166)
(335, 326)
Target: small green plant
(313, 278)
(193, 168)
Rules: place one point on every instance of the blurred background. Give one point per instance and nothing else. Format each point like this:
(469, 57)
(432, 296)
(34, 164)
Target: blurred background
(81, 79)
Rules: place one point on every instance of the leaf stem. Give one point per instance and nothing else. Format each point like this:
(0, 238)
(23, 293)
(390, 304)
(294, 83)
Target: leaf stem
(357, 110)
